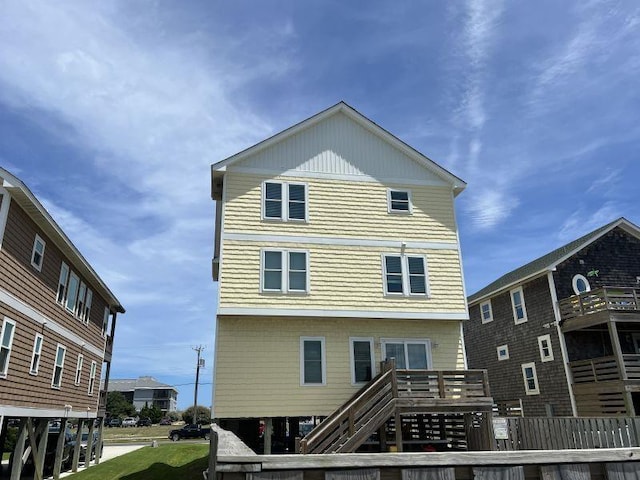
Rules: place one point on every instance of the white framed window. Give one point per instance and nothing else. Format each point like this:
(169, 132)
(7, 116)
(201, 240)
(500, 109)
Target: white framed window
(82, 291)
(37, 254)
(312, 361)
(486, 312)
(517, 305)
(105, 321)
(411, 354)
(36, 354)
(79, 369)
(92, 378)
(72, 292)
(362, 361)
(284, 271)
(546, 351)
(56, 379)
(503, 352)
(405, 275)
(530, 379)
(580, 284)
(86, 314)
(62, 283)
(399, 201)
(6, 342)
(286, 201)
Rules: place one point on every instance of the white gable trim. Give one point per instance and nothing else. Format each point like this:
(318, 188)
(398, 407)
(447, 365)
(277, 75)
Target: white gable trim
(326, 313)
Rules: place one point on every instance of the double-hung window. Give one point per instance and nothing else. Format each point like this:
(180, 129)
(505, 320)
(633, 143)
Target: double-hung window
(312, 361)
(405, 275)
(284, 201)
(408, 354)
(87, 307)
(105, 321)
(92, 378)
(37, 254)
(285, 271)
(517, 304)
(72, 292)
(486, 312)
(62, 283)
(361, 360)
(530, 379)
(36, 354)
(399, 201)
(56, 380)
(79, 369)
(546, 351)
(6, 342)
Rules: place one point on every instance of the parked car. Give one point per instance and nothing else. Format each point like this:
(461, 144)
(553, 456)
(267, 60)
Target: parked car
(190, 431)
(166, 421)
(144, 422)
(114, 422)
(83, 445)
(129, 422)
(50, 453)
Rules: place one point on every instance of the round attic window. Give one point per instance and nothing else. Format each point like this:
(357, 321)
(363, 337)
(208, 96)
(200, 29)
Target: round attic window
(580, 284)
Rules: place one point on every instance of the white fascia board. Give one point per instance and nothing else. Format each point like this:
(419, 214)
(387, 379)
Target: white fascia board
(327, 313)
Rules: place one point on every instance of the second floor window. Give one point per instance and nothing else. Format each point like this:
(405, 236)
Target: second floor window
(73, 294)
(405, 275)
(79, 369)
(37, 352)
(56, 380)
(6, 342)
(485, 312)
(285, 271)
(37, 254)
(284, 201)
(399, 201)
(517, 303)
(92, 378)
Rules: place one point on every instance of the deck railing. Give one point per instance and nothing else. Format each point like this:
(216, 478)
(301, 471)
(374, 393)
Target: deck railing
(604, 369)
(605, 298)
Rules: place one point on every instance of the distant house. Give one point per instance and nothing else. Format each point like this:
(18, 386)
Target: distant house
(561, 335)
(336, 248)
(147, 391)
(57, 320)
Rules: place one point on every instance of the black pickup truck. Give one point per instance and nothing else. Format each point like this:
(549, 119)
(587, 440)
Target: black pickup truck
(190, 431)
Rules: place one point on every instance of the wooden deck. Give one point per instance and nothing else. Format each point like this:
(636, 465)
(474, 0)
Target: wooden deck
(618, 299)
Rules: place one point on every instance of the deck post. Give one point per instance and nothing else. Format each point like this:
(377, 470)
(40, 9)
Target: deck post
(90, 445)
(100, 440)
(41, 436)
(18, 451)
(398, 420)
(213, 454)
(57, 465)
(76, 449)
(268, 432)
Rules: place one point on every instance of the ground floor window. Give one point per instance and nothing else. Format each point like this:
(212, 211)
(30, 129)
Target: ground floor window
(312, 361)
(361, 359)
(408, 354)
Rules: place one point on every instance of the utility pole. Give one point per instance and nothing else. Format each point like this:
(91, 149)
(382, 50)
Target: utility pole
(198, 349)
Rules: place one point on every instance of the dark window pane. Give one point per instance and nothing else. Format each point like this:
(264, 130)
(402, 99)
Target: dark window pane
(296, 193)
(394, 283)
(272, 280)
(416, 266)
(296, 211)
(298, 281)
(417, 353)
(393, 264)
(273, 191)
(417, 284)
(297, 261)
(273, 260)
(273, 209)
(395, 350)
(312, 361)
(362, 361)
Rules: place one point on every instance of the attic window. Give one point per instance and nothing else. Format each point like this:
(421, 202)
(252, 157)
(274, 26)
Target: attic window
(580, 284)
(399, 201)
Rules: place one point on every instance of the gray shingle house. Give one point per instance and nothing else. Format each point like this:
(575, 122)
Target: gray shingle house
(560, 336)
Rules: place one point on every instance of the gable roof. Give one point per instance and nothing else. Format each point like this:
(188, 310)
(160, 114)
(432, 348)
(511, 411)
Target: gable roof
(218, 169)
(21, 194)
(140, 383)
(549, 261)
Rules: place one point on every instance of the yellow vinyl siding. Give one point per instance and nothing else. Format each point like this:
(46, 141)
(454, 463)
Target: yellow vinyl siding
(343, 209)
(341, 277)
(258, 361)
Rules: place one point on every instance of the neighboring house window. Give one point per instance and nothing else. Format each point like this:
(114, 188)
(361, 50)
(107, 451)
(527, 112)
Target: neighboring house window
(312, 361)
(105, 321)
(62, 283)
(362, 362)
(485, 312)
(530, 379)
(72, 292)
(37, 255)
(517, 303)
(405, 275)
(284, 201)
(35, 355)
(285, 271)
(580, 284)
(79, 368)
(92, 378)
(399, 201)
(546, 352)
(6, 341)
(408, 354)
(56, 380)
(503, 352)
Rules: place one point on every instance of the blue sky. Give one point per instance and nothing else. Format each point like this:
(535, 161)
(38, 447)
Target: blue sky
(113, 111)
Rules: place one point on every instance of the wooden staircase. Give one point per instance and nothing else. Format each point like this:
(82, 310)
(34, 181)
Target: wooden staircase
(390, 395)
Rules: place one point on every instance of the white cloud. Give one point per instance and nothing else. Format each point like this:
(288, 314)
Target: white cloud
(489, 207)
(583, 221)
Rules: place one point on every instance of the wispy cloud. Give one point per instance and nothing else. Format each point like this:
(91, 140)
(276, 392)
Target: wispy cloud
(583, 221)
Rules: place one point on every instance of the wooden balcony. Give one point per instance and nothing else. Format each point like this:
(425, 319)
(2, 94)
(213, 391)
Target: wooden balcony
(605, 369)
(618, 299)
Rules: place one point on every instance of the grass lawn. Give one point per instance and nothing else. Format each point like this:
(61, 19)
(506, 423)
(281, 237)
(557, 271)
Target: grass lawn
(184, 461)
(120, 434)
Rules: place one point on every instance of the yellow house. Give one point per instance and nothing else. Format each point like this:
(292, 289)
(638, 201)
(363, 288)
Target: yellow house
(336, 247)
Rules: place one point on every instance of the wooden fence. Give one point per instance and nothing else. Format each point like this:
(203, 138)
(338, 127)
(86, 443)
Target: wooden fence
(560, 433)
